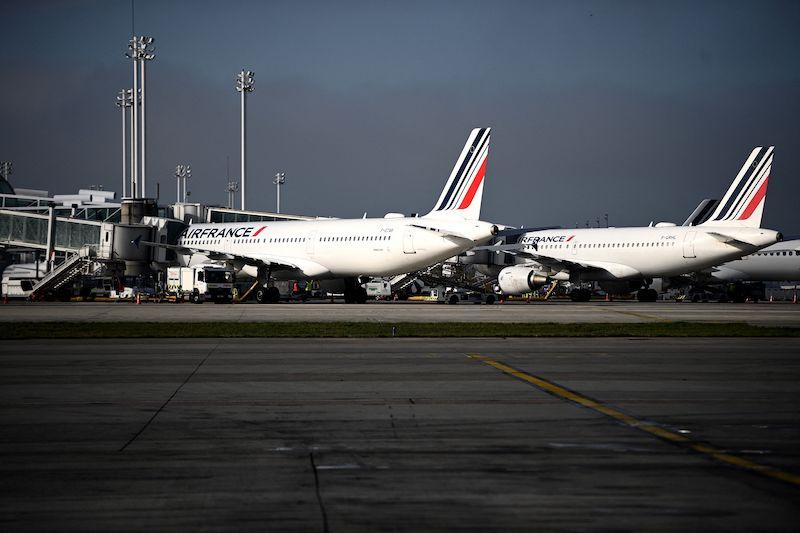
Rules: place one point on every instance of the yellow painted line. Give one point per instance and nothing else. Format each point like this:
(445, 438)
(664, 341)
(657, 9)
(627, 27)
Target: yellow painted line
(642, 425)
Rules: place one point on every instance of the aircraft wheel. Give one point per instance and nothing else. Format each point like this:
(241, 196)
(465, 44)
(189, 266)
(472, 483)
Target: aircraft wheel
(580, 295)
(453, 300)
(273, 295)
(647, 295)
(490, 299)
(361, 295)
(261, 295)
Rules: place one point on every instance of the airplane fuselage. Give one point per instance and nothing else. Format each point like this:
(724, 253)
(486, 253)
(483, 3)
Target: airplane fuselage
(338, 247)
(779, 262)
(646, 252)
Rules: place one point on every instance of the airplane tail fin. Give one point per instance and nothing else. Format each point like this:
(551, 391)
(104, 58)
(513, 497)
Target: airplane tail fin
(743, 204)
(463, 192)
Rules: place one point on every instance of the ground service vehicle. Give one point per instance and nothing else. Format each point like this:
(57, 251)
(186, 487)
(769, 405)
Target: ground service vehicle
(455, 295)
(201, 282)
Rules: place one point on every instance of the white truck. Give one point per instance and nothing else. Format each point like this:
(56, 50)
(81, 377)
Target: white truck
(200, 283)
(19, 279)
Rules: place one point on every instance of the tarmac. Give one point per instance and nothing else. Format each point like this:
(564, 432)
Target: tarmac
(765, 313)
(400, 434)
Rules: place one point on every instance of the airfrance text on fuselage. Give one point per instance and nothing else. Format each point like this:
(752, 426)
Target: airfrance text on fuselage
(565, 238)
(217, 233)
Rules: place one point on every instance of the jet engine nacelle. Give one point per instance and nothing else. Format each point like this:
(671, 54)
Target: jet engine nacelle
(520, 279)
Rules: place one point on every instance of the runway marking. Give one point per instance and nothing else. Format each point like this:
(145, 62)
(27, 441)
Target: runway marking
(648, 427)
(634, 314)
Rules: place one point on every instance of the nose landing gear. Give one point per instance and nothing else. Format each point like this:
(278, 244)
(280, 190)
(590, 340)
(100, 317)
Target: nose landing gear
(354, 293)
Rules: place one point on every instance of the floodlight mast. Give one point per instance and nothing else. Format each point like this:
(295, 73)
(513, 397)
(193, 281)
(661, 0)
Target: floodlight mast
(6, 169)
(178, 180)
(182, 172)
(278, 180)
(244, 84)
(145, 54)
(133, 138)
(231, 188)
(123, 102)
(133, 54)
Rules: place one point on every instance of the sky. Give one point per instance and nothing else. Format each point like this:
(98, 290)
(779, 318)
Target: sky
(633, 109)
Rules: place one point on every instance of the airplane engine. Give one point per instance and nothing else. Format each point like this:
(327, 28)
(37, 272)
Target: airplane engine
(520, 279)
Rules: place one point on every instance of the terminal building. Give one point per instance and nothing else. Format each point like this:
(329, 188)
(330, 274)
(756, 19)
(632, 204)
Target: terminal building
(47, 242)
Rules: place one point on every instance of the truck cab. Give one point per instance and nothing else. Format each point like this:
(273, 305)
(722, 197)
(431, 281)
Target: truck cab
(201, 282)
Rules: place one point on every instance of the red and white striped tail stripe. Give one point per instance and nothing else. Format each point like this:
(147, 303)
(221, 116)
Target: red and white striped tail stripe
(748, 191)
(465, 181)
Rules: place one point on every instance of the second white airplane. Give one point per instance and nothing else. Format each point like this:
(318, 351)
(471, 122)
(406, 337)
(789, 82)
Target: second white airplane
(629, 258)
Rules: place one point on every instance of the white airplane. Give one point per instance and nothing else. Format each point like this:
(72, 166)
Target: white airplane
(624, 259)
(350, 248)
(779, 262)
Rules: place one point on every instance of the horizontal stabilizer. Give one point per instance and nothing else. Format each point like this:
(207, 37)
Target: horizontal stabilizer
(733, 241)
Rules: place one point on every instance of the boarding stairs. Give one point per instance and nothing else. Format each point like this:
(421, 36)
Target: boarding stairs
(551, 290)
(81, 263)
(398, 283)
(403, 281)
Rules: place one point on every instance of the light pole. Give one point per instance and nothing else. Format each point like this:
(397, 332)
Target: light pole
(182, 172)
(244, 84)
(133, 54)
(6, 169)
(123, 102)
(231, 188)
(278, 180)
(131, 182)
(145, 54)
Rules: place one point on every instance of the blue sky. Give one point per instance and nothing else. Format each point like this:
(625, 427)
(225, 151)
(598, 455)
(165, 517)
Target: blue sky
(635, 109)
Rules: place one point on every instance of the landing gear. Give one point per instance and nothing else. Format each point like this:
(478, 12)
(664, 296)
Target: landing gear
(580, 295)
(353, 292)
(647, 295)
(268, 295)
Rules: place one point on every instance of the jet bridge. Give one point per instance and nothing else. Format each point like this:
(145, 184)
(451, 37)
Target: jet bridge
(88, 245)
(52, 233)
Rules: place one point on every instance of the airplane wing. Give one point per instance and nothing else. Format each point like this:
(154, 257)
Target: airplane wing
(616, 270)
(276, 262)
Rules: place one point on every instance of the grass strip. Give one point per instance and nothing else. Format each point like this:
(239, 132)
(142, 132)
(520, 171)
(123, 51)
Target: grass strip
(129, 330)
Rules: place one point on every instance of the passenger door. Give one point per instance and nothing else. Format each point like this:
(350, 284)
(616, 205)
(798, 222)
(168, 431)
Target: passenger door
(408, 242)
(688, 244)
(310, 243)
